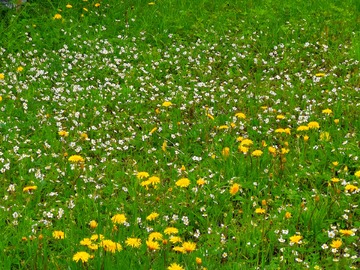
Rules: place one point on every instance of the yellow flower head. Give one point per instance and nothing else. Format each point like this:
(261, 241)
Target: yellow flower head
(153, 130)
(198, 261)
(57, 16)
(189, 246)
(175, 239)
(152, 216)
(324, 136)
(155, 236)
(69, 6)
(272, 150)
(320, 74)
(295, 239)
(313, 124)
(141, 175)
(335, 180)
(347, 232)
(246, 142)
(85, 242)
(280, 116)
(171, 230)
(154, 180)
(357, 174)
(19, 69)
(175, 266)
(183, 182)
(97, 5)
(2, 77)
(93, 224)
(200, 182)
(111, 246)
(63, 133)
(82, 255)
(76, 158)
(303, 128)
(167, 104)
(287, 215)
(240, 115)
(226, 151)
(25, 189)
(327, 111)
(133, 242)
(257, 153)
(234, 189)
(118, 219)
(351, 188)
(223, 127)
(58, 235)
(152, 245)
(210, 116)
(260, 211)
(336, 244)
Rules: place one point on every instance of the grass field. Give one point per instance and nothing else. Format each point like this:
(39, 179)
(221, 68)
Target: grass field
(180, 134)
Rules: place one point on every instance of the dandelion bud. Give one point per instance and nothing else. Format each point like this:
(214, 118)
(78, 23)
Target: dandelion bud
(24, 239)
(198, 261)
(338, 191)
(286, 144)
(336, 121)
(263, 202)
(41, 237)
(157, 199)
(165, 241)
(271, 174)
(306, 138)
(302, 205)
(93, 224)
(317, 198)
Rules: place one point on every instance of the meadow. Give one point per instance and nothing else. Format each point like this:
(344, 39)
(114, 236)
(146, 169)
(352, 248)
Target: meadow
(180, 134)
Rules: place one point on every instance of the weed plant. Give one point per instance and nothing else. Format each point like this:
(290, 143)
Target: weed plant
(180, 134)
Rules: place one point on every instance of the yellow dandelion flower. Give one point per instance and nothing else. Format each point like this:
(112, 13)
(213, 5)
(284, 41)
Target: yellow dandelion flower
(175, 239)
(63, 133)
(260, 211)
(118, 219)
(336, 121)
(97, 5)
(240, 115)
(303, 128)
(82, 255)
(280, 116)
(155, 236)
(19, 69)
(336, 244)
(96, 237)
(85, 9)
(324, 136)
(133, 242)
(85, 242)
(335, 180)
(198, 261)
(287, 215)
(167, 104)
(154, 180)
(153, 130)
(223, 127)
(76, 158)
(59, 235)
(183, 182)
(357, 174)
(69, 6)
(234, 189)
(243, 149)
(2, 77)
(175, 266)
(152, 245)
(327, 111)
(200, 182)
(164, 146)
(257, 153)
(179, 249)
(272, 150)
(295, 239)
(285, 150)
(57, 17)
(141, 175)
(246, 142)
(320, 74)
(171, 230)
(152, 216)
(25, 189)
(93, 224)
(189, 246)
(210, 116)
(151, 3)
(313, 124)
(347, 232)
(226, 151)
(352, 188)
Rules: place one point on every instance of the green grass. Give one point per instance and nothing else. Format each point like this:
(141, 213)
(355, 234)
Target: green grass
(102, 74)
